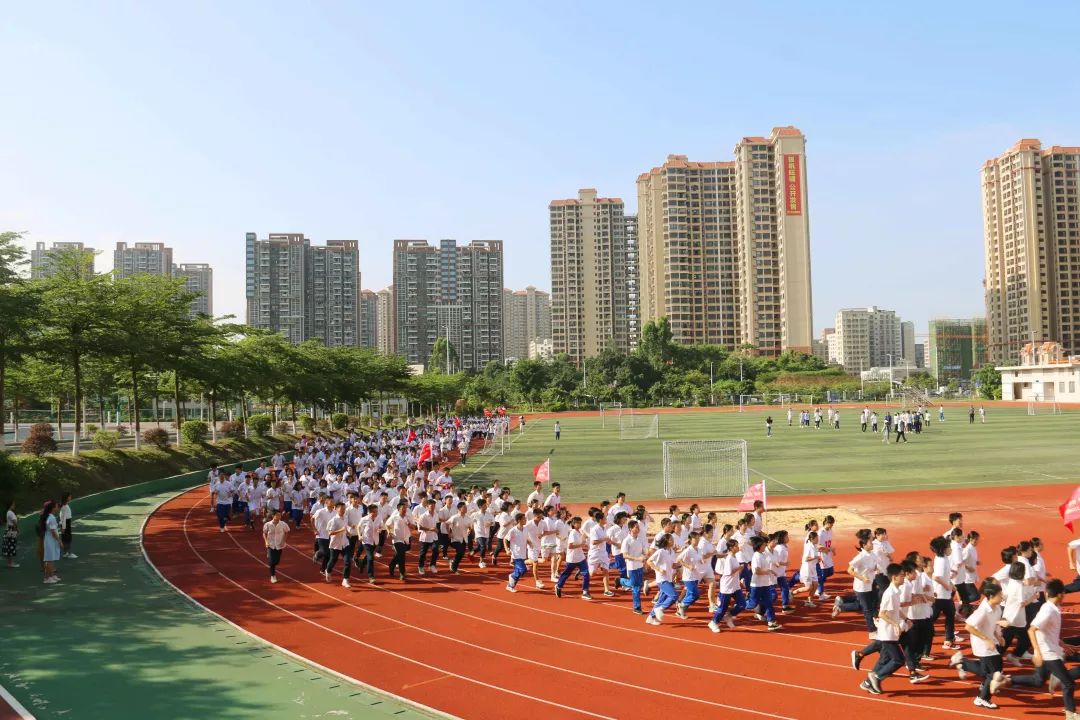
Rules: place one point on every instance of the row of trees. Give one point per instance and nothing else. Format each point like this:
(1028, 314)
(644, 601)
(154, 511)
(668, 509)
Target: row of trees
(89, 338)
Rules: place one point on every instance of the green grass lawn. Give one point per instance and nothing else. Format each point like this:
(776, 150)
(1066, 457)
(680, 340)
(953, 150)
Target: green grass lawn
(592, 462)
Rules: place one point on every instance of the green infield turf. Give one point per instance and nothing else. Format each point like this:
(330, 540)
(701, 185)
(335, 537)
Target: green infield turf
(592, 462)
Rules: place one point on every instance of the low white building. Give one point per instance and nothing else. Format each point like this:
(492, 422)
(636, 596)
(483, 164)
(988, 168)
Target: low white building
(896, 373)
(1044, 374)
(540, 348)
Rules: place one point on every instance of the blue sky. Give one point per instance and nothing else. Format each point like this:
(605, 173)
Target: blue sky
(193, 123)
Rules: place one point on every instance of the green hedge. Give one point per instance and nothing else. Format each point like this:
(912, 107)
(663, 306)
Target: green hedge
(33, 480)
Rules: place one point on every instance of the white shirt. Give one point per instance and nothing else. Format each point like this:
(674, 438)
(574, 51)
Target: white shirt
(515, 539)
(1013, 606)
(890, 606)
(398, 526)
(825, 540)
(942, 570)
(532, 534)
(550, 525)
(634, 546)
(427, 523)
(482, 523)
(689, 556)
(337, 525)
(598, 551)
(1048, 623)
(369, 530)
(865, 564)
(615, 535)
(761, 561)
(664, 561)
(534, 495)
(321, 519)
(459, 527)
(922, 585)
(729, 568)
(275, 532)
(575, 554)
(553, 500)
(985, 619)
(65, 516)
(616, 509)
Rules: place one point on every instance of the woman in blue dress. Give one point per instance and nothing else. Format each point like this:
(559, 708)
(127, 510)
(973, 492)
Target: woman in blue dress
(49, 529)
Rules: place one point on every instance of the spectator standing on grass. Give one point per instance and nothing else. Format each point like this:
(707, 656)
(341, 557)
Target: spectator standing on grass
(558, 429)
(49, 533)
(65, 525)
(768, 426)
(971, 415)
(789, 413)
(982, 414)
(836, 420)
(11, 535)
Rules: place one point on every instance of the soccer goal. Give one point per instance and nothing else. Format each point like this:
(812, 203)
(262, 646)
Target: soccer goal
(496, 442)
(705, 468)
(1043, 408)
(639, 427)
(610, 409)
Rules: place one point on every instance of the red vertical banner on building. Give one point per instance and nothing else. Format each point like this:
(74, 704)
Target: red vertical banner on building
(792, 185)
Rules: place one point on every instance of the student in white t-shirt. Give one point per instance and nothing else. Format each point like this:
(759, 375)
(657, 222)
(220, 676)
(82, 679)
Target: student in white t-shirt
(985, 626)
(942, 576)
(808, 566)
(482, 522)
(634, 548)
(598, 558)
(891, 623)
(274, 532)
(533, 530)
(549, 540)
(689, 561)
(576, 547)
(662, 563)
(1048, 655)
(763, 583)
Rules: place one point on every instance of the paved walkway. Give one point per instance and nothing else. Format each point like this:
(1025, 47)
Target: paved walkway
(114, 642)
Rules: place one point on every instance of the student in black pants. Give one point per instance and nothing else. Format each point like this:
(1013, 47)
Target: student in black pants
(943, 590)
(890, 626)
(398, 527)
(1049, 656)
(983, 624)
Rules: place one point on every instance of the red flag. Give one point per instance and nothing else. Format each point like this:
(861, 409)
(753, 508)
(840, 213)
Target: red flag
(1070, 509)
(412, 436)
(542, 472)
(457, 423)
(438, 426)
(754, 492)
(502, 410)
(425, 455)
(487, 412)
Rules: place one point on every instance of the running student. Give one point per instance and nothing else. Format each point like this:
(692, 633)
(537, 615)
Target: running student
(942, 576)
(576, 544)
(517, 549)
(274, 532)
(808, 567)
(985, 625)
(689, 561)
(634, 546)
(662, 562)
(1048, 655)
(890, 624)
(730, 594)
(763, 582)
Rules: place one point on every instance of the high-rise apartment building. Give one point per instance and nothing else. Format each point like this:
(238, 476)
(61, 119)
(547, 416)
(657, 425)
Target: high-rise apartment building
(956, 348)
(198, 278)
(449, 291)
(142, 259)
(40, 257)
(633, 292)
(590, 276)
(526, 317)
(907, 343)
(1031, 230)
(386, 323)
(868, 338)
(304, 292)
(369, 318)
(724, 247)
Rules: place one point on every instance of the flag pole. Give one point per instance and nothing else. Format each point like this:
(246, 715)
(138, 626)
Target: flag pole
(764, 506)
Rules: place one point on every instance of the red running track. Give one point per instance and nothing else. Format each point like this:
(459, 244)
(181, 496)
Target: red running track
(463, 645)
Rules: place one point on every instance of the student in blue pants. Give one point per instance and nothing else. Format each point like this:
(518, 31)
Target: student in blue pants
(689, 560)
(763, 582)
(634, 548)
(728, 567)
(662, 562)
(517, 548)
(576, 545)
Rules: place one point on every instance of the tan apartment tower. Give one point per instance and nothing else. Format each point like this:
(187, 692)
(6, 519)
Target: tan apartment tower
(590, 282)
(1031, 231)
(724, 247)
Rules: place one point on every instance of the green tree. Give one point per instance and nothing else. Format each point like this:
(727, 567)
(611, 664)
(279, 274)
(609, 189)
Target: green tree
(75, 308)
(147, 316)
(529, 378)
(19, 311)
(656, 343)
(437, 361)
(989, 379)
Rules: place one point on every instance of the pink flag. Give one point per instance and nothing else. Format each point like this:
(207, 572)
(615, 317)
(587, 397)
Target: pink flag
(1070, 510)
(542, 472)
(757, 492)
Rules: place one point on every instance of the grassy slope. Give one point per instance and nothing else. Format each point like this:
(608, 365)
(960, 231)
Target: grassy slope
(592, 463)
(32, 480)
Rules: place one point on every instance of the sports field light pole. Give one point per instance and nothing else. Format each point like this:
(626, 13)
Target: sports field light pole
(712, 393)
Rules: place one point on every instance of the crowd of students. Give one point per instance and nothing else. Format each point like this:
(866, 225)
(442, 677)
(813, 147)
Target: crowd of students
(379, 494)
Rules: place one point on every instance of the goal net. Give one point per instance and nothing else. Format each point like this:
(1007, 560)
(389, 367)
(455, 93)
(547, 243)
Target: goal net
(639, 427)
(609, 409)
(705, 468)
(1043, 408)
(496, 441)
